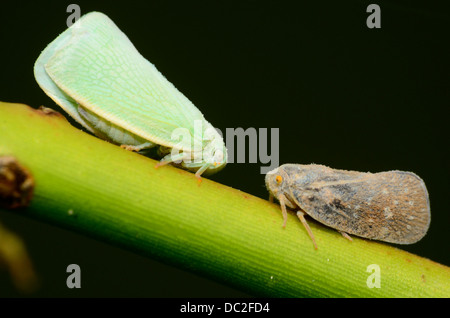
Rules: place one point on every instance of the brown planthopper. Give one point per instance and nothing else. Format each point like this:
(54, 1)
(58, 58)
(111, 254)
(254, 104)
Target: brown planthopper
(390, 206)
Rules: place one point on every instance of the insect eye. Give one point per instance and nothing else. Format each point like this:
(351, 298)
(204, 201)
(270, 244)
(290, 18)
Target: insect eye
(278, 179)
(218, 155)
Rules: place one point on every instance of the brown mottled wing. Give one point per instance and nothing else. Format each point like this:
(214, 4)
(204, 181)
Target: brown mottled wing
(387, 206)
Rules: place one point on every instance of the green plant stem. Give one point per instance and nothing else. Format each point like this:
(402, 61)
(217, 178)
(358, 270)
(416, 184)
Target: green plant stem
(93, 187)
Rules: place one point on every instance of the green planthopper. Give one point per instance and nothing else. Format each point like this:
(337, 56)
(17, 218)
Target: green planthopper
(94, 72)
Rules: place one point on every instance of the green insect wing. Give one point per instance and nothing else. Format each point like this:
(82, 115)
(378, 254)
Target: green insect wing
(94, 72)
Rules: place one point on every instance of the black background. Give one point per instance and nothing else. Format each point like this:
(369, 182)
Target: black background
(342, 95)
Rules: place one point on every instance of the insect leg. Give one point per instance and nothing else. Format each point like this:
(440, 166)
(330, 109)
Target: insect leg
(200, 171)
(169, 159)
(301, 216)
(136, 148)
(281, 199)
(346, 236)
